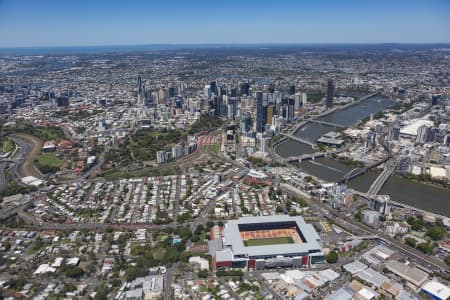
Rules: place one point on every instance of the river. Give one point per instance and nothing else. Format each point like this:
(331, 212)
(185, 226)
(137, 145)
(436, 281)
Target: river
(413, 193)
(312, 131)
(401, 190)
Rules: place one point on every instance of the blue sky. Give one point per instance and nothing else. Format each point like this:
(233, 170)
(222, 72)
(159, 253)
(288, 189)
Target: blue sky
(99, 22)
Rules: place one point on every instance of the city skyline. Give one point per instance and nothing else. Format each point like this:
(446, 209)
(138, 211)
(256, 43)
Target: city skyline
(224, 150)
(53, 23)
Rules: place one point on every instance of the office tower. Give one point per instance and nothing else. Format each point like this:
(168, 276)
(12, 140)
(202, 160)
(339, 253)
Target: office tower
(213, 86)
(245, 88)
(434, 135)
(172, 91)
(330, 93)
(62, 101)
(290, 109)
(177, 151)
(380, 204)
(292, 90)
(355, 82)
(304, 100)
(140, 90)
(233, 92)
(394, 133)
(422, 134)
(207, 90)
(297, 101)
(269, 114)
(434, 100)
(259, 112)
(446, 140)
(246, 122)
(232, 108)
(370, 140)
(217, 105)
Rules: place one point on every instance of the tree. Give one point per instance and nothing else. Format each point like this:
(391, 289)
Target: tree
(332, 257)
(447, 260)
(202, 274)
(436, 233)
(416, 224)
(101, 293)
(133, 272)
(425, 248)
(73, 271)
(410, 241)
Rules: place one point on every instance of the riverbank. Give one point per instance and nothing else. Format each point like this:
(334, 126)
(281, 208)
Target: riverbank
(344, 117)
(426, 179)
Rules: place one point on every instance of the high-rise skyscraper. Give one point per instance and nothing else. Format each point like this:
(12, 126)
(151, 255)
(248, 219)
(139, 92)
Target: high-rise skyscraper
(330, 93)
(434, 99)
(269, 114)
(291, 89)
(207, 90)
(259, 112)
(423, 133)
(394, 133)
(244, 88)
(140, 90)
(213, 86)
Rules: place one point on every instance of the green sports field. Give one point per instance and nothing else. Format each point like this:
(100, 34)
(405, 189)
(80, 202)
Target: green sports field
(269, 241)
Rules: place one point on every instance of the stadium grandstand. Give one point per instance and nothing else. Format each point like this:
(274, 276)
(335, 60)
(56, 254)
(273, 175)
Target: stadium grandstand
(266, 242)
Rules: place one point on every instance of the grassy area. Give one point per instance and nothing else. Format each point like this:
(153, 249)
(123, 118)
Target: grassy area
(216, 148)
(49, 162)
(6, 146)
(44, 133)
(13, 188)
(143, 145)
(269, 241)
(205, 123)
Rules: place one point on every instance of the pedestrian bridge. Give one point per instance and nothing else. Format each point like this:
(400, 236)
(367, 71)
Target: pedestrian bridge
(326, 123)
(295, 138)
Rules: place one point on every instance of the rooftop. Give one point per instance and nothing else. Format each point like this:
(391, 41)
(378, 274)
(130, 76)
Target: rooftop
(411, 274)
(232, 237)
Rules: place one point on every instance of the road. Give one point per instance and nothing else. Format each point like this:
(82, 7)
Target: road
(389, 168)
(168, 281)
(19, 165)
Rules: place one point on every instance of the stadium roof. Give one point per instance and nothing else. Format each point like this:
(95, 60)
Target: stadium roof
(232, 237)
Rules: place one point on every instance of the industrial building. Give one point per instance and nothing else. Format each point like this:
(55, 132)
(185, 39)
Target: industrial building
(436, 290)
(412, 275)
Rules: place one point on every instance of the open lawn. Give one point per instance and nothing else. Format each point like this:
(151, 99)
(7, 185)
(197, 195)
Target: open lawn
(6, 146)
(49, 162)
(50, 159)
(269, 241)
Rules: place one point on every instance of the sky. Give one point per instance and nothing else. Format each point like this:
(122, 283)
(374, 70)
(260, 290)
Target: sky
(48, 23)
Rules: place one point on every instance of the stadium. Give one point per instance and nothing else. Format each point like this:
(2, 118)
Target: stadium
(267, 242)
